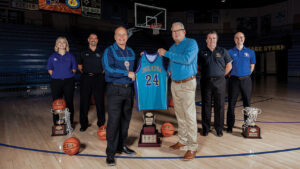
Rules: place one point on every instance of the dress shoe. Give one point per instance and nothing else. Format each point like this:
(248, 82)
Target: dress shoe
(219, 133)
(189, 155)
(205, 132)
(176, 146)
(229, 130)
(110, 161)
(82, 129)
(126, 150)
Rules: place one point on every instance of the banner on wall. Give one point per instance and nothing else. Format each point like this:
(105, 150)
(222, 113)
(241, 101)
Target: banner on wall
(66, 6)
(91, 8)
(25, 4)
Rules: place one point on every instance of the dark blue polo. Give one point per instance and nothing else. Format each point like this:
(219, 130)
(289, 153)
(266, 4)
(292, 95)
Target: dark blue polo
(213, 63)
(242, 59)
(62, 65)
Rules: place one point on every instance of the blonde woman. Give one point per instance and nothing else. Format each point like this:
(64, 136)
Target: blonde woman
(62, 67)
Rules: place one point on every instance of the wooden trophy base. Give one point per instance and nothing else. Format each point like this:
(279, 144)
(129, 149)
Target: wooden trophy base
(59, 130)
(251, 132)
(149, 137)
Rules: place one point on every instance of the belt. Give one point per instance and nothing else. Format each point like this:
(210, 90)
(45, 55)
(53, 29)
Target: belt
(122, 85)
(241, 78)
(184, 80)
(215, 78)
(92, 74)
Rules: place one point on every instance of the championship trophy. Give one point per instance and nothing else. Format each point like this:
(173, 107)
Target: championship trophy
(250, 130)
(149, 134)
(61, 118)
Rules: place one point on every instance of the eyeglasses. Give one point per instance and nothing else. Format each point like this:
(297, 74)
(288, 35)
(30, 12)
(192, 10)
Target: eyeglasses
(175, 31)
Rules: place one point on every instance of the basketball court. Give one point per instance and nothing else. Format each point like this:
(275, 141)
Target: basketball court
(26, 140)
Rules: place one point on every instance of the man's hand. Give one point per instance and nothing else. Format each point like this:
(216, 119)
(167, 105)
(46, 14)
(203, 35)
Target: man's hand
(161, 51)
(74, 71)
(131, 75)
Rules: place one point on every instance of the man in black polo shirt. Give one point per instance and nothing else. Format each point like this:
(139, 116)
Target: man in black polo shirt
(215, 64)
(92, 82)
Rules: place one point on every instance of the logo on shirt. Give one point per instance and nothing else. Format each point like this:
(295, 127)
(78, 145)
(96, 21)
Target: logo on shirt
(246, 54)
(87, 54)
(235, 54)
(218, 55)
(98, 55)
(55, 59)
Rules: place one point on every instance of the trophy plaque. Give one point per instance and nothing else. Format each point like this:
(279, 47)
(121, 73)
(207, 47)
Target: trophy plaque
(149, 134)
(250, 130)
(61, 118)
(59, 127)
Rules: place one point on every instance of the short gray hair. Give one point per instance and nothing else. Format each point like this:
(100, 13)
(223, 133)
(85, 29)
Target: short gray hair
(178, 23)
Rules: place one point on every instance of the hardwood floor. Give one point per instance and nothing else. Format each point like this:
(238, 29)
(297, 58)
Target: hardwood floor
(26, 142)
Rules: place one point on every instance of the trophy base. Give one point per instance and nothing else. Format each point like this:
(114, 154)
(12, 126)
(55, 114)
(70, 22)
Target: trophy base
(59, 130)
(251, 132)
(149, 137)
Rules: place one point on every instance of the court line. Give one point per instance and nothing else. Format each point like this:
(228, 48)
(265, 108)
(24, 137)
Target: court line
(134, 157)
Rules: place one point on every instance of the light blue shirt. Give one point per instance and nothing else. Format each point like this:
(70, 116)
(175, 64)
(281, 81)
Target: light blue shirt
(183, 59)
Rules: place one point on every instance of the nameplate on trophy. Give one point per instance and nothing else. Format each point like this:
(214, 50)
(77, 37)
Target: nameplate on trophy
(251, 132)
(59, 130)
(149, 138)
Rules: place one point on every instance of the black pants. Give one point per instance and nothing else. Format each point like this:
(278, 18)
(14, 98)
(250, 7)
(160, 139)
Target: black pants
(236, 85)
(64, 88)
(92, 85)
(119, 103)
(214, 90)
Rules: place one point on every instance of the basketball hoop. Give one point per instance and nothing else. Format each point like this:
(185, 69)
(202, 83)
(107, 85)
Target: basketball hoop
(155, 27)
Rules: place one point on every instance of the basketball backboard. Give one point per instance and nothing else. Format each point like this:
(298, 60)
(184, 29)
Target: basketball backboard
(145, 15)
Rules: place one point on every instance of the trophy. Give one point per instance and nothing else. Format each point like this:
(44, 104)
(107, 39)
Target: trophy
(61, 118)
(250, 130)
(149, 135)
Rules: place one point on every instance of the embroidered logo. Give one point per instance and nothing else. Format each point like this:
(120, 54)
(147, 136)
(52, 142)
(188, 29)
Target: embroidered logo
(218, 55)
(55, 59)
(246, 54)
(87, 54)
(98, 55)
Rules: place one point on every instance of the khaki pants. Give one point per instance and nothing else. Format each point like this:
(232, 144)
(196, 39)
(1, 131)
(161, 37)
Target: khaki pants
(185, 109)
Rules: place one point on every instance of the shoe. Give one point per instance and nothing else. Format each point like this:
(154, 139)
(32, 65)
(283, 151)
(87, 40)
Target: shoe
(219, 133)
(229, 130)
(176, 146)
(110, 161)
(205, 132)
(189, 155)
(82, 129)
(126, 150)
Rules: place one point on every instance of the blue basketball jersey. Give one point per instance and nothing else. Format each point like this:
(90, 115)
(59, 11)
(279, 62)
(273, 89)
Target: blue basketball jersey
(151, 84)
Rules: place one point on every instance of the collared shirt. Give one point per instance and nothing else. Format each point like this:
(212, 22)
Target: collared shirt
(91, 61)
(117, 63)
(61, 65)
(242, 59)
(213, 63)
(183, 59)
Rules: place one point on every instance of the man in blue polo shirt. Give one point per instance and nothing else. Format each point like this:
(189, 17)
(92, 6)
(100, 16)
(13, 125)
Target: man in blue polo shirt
(183, 68)
(240, 80)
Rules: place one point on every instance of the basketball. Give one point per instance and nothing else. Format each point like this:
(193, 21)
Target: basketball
(71, 146)
(102, 132)
(167, 129)
(59, 104)
(171, 104)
